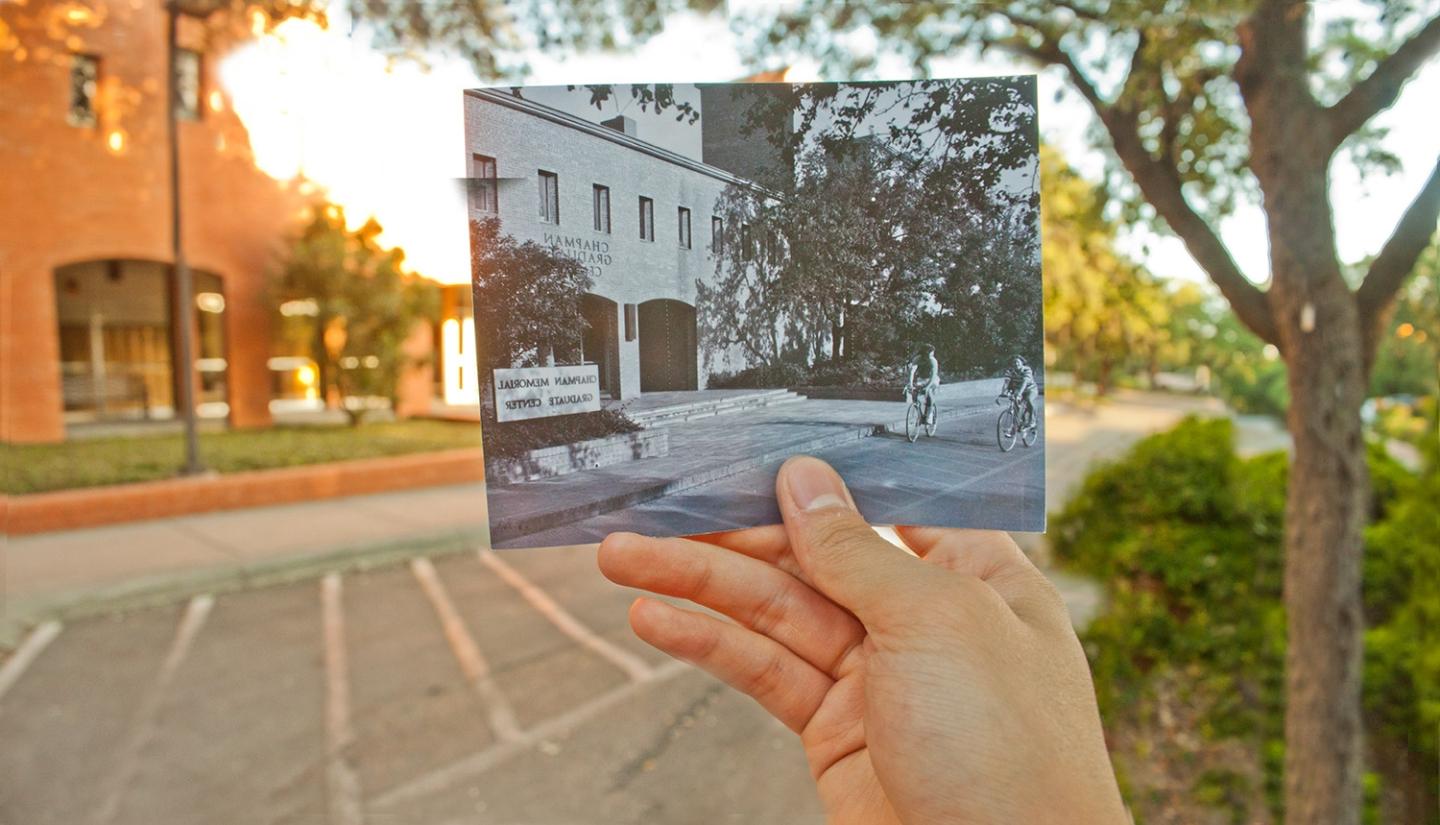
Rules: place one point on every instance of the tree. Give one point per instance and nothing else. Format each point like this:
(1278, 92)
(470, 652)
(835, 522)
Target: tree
(1103, 311)
(1204, 103)
(357, 304)
(746, 305)
(527, 299)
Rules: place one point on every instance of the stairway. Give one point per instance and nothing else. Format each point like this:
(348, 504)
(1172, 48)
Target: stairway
(705, 408)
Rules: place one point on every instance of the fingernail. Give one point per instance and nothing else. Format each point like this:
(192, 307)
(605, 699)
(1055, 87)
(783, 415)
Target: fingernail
(813, 485)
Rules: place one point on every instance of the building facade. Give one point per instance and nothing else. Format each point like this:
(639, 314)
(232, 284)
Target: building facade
(88, 317)
(642, 218)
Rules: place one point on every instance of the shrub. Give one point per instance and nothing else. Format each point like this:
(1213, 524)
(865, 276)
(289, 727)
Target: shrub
(515, 438)
(1187, 538)
(764, 376)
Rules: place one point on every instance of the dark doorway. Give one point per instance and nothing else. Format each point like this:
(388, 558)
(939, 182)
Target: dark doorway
(600, 343)
(667, 346)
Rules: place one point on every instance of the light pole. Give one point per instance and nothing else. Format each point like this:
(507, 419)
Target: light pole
(184, 283)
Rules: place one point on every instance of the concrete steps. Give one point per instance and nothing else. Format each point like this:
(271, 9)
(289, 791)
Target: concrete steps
(679, 413)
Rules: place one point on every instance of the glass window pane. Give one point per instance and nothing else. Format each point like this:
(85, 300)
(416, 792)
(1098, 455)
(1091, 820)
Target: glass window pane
(187, 84)
(84, 84)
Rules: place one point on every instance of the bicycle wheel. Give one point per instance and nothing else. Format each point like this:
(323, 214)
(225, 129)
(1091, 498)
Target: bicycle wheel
(1005, 430)
(1031, 431)
(912, 422)
(932, 421)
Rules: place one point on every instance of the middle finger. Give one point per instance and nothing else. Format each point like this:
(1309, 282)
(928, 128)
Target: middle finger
(758, 595)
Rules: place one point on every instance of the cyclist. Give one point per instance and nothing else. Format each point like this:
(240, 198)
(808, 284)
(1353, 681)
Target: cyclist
(1020, 385)
(925, 376)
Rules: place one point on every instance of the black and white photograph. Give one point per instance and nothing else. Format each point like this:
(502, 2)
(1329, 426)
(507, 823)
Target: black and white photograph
(678, 287)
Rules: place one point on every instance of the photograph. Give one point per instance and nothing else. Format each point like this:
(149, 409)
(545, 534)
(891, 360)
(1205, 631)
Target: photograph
(678, 287)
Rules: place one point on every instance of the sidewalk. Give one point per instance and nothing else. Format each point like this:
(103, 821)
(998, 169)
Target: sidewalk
(138, 563)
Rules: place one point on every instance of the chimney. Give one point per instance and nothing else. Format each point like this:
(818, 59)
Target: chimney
(621, 123)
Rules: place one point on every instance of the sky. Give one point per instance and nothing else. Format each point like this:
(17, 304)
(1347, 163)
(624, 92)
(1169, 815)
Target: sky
(385, 138)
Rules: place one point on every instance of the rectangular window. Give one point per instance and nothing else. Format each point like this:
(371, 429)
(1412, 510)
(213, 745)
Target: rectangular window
(549, 197)
(717, 236)
(745, 242)
(484, 187)
(631, 322)
(187, 84)
(647, 219)
(602, 209)
(84, 85)
(684, 220)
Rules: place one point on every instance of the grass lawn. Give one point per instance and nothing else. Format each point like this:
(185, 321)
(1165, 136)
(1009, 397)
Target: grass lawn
(35, 468)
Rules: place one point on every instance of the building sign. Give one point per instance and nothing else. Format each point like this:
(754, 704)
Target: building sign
(594, 254)
(541, 392)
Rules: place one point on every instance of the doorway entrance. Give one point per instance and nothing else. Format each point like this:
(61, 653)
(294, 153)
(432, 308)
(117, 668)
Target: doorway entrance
(668, 346)
(600, 343)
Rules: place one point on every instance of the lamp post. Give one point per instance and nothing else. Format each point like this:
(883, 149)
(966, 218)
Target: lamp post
(184, 283)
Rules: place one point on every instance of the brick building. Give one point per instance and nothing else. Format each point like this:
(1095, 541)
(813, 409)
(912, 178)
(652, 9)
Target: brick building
(87, 312)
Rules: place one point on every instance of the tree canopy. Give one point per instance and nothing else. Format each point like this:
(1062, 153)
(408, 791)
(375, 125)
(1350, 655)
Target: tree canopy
(356, 304)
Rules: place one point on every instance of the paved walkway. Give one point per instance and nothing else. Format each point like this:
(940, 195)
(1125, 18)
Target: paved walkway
(707, 450)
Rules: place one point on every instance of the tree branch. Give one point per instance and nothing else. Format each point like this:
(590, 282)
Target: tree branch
(1379, 90)
(1160, 182)
(1397, 257)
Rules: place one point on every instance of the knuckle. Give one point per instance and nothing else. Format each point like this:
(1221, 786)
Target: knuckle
(768, 678)
(770, 611)
(842, 532)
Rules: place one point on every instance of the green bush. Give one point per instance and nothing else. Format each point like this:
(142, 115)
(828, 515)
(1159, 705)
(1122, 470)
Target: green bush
(1187, 538)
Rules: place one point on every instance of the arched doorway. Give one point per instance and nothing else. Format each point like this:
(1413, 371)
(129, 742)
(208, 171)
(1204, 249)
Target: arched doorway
(667, 346)
(600, 343)
(117, 330)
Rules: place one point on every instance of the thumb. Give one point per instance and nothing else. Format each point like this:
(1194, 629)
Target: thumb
(837, 549)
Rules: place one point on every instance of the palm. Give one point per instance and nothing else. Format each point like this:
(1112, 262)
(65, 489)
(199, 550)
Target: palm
(848, 786)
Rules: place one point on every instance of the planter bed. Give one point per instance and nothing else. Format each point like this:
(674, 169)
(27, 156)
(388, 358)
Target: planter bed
(548, 462)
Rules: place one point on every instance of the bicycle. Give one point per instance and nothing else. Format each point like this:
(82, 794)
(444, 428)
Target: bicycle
(1006, 428)
(914, 418)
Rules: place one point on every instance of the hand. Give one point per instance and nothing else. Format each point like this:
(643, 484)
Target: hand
(948, 688)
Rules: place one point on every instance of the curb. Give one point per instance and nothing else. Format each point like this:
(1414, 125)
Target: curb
(504, 530)
(34, 513)
(18, 615)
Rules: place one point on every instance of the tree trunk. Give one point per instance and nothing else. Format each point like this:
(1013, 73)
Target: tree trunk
(1317, 323)
(1326, 511)
(1327, 506)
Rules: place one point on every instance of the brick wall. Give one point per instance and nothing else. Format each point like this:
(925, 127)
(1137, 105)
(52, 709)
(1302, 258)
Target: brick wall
(70, 194)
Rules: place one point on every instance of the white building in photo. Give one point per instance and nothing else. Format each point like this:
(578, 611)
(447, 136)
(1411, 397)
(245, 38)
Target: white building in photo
(640, 216)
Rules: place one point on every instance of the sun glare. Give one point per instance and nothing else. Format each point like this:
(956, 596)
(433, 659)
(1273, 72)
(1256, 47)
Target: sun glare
(327, 113)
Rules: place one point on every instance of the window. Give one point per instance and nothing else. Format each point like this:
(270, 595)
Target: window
(484, 190)
(684, 220)
(187, 84)
(602, 209)
(647, 219)
(549, 197)
(632, 323)
(84, 84)
(745, 242)
(717, 236)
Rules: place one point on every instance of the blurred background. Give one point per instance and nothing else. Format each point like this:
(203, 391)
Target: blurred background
(245, 572)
